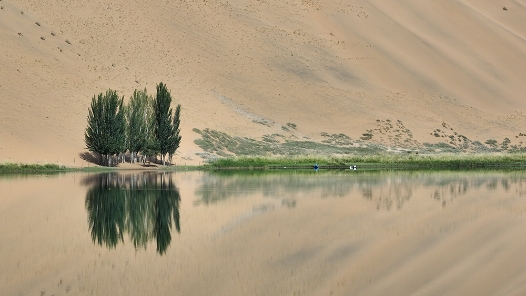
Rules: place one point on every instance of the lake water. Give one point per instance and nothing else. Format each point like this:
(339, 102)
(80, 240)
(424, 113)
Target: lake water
(264, 233)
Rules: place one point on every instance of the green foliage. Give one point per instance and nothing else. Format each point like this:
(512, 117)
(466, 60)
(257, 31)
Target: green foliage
(505, 143)
(366, 136)
(380, 160)
(21, 167)
(139, 121)
(166, 129)
(175, 138)
(491, 142)
(163, 117)
(105, 133)
(220, 143)
(337, 139)
(145, 125)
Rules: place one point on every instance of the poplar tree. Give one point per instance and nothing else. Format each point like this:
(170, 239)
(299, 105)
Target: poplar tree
(167, 137)
(138, 117)
(105, 133)
(176, 138)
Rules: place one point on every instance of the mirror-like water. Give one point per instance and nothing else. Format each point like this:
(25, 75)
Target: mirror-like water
(264, 233)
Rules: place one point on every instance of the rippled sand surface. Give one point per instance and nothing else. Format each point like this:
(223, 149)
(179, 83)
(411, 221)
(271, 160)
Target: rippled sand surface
(300, 233)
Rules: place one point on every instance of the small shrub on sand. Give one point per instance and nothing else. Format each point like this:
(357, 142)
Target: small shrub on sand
(291, 125)
(491, 142)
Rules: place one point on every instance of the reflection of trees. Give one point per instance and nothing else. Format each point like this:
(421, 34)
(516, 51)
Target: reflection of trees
(277, 184)
(456, 184)
(145, 206)
(388, 194)
(387, 189)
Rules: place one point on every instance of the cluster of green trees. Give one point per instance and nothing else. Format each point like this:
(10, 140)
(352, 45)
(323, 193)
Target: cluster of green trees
(147, 126)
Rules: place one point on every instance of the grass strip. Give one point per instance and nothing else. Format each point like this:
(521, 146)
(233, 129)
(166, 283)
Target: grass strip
(377, 161)
(20, 167)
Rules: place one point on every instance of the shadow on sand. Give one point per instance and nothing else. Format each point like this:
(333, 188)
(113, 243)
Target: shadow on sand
(91, 157)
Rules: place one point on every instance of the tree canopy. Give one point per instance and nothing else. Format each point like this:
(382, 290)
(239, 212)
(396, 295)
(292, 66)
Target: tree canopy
(166, 126)
(105, 133)
(146, 125)
(139, 122)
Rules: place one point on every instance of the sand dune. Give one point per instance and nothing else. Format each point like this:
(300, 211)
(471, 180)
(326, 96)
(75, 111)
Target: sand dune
(326, 66)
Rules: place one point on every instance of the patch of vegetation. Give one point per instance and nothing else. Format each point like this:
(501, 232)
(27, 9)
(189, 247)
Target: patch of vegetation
(146, 125)
(389, 138)
(262, 122)
(366, 136)
(505, 144)
(440, 147)
(274, 138)
(19, 167)
(219, 143)
(460, 143)
(379, 161)
(492, 143)
(391, 133)
(337, 139)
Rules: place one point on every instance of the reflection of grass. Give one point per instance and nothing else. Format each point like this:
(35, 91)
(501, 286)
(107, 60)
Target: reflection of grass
(388, 190)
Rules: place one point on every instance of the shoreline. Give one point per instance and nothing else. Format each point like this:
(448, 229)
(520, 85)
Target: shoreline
(369, 162)
(377, 161)
(9, 168)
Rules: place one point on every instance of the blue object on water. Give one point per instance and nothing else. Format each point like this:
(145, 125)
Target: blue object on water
(316, 167)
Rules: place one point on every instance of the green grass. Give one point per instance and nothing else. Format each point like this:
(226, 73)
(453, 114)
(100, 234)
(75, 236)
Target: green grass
(36, 168)
(381, 160)
(20, 167)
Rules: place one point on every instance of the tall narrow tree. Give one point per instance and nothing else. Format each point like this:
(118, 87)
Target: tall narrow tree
(105, 133)
(164, 129)
(176, 138)
(138, 117)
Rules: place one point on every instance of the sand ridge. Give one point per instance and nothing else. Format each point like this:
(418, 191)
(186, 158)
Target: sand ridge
(326, 66)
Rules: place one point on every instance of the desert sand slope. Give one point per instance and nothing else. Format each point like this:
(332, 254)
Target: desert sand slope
(326, 66)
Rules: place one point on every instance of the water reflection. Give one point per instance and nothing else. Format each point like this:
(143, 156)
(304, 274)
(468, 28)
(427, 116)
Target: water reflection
(387, 190)
(144, 206)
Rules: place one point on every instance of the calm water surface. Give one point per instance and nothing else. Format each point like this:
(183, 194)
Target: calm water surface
(264, 233)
